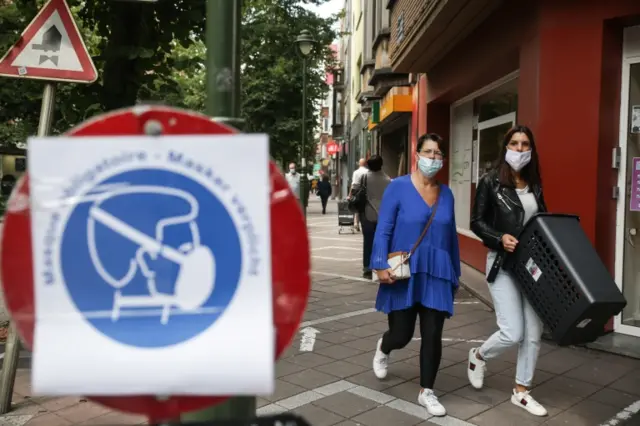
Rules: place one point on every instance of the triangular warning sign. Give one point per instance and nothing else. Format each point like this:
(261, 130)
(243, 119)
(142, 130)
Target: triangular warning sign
(51, 48)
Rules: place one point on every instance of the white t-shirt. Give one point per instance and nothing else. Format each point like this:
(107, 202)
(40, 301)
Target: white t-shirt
(528, 201)
(358, 174)
(294, 183)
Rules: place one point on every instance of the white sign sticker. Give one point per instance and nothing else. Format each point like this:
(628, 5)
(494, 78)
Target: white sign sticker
(533, 269)
(583, 323)
(152, 265)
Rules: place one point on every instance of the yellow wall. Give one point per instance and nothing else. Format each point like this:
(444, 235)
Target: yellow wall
(357, 41)
(8, 165)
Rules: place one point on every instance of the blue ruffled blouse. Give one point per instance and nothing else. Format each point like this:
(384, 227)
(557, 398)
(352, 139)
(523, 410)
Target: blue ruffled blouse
(435, 265)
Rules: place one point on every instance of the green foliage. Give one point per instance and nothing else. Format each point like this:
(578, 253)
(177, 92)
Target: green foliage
(155, 52)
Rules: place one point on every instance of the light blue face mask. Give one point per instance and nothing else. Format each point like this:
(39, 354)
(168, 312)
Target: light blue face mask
(429, 166)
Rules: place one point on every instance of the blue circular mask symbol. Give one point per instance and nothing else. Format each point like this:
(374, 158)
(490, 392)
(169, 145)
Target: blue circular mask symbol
(151, 258)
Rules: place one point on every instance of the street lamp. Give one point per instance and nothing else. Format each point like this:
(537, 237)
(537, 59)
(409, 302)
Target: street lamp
(305, 44)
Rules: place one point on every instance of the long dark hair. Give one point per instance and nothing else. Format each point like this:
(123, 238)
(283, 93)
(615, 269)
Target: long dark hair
(529, 173)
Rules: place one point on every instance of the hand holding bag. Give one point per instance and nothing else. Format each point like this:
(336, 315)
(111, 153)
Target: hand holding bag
(399, 260)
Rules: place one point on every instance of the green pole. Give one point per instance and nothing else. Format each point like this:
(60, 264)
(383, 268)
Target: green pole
(304, 190)
(223, 104)
(223, 60)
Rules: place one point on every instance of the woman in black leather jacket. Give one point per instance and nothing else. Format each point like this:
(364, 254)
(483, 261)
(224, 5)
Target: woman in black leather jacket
(506, 198)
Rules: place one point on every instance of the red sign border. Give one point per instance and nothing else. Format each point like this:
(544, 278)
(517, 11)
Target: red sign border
(290, 253)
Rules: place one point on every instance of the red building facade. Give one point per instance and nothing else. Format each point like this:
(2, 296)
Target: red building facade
(564, 68)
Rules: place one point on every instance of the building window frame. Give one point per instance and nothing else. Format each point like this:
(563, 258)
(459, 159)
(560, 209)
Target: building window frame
(474, 143)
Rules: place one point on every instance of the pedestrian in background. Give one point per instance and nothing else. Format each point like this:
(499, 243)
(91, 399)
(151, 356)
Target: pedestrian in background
(417, 222)
(375, 181)
(505, 200)
(359, 172)
(293, 178)
(324, 192)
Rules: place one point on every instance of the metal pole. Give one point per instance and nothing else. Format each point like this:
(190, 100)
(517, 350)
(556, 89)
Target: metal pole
(12, 347)
(223, 60)
(46, 110)
(223, 104)
(9, 369)
(304, 190)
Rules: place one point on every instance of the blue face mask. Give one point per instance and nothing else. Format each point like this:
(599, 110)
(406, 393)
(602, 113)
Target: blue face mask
(429, 166)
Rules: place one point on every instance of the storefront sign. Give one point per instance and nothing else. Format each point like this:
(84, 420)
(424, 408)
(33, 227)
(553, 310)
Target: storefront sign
(394, 101)
(635, 185)
(375, 113)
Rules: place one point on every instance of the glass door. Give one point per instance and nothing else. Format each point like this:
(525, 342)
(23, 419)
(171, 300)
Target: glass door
(490, 136)
(628, 220)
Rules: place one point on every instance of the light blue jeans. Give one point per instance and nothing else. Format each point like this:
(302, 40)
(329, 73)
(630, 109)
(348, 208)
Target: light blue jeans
(519, 325)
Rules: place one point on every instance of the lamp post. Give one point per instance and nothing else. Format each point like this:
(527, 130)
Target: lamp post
(305, 44)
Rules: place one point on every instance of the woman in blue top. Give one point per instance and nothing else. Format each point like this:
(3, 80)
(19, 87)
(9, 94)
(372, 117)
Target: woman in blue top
(406, 207)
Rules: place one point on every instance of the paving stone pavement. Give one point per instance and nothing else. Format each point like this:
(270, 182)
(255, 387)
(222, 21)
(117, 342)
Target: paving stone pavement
(332, 383)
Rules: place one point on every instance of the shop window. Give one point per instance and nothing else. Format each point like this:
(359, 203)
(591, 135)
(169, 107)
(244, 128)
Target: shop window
(20, 164)
(478, 125)
(460, 162)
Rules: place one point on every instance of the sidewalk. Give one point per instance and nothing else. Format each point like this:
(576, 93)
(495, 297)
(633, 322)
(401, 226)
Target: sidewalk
(330, 382)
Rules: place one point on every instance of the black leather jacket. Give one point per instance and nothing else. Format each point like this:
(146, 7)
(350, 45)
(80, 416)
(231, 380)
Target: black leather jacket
(497, 210)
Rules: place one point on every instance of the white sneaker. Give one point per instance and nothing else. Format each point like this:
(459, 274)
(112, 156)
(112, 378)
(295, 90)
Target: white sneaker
(429, 400)
(476, 369)
(380, 362)
(526, 401)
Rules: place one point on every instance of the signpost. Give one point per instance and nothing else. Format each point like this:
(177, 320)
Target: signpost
(51, 49)
(289, 247)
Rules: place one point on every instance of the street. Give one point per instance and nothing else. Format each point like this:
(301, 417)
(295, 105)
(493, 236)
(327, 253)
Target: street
(326, 376)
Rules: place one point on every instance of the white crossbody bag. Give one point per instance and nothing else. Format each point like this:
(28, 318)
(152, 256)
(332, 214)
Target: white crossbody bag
(399, 260)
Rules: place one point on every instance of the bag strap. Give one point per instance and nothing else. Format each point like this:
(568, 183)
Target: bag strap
(434, 209)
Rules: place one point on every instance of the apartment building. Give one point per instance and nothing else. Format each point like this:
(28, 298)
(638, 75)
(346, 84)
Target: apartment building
(358, 123)
(340, 127)
(384, 94)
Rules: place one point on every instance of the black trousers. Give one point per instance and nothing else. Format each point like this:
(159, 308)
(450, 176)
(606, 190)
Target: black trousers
(401, 327)
(324, 199)
(368, 232)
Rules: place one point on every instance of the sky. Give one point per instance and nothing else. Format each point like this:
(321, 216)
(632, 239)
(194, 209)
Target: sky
(327, 9)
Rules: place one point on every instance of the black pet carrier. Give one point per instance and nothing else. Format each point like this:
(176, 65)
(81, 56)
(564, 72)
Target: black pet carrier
(564, 279)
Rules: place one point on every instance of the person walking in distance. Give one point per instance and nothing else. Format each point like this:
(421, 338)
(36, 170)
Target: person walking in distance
(417, 222)
(375, 181)
(505, 200)
(357, 174)
(293, 178)
(324, 191)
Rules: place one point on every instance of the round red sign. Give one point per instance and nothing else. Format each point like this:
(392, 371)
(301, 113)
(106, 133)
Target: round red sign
(289, 248)
(332, 148)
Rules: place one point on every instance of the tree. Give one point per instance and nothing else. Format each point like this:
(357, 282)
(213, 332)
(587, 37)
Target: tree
(154, 51)
(271, 77)
(130, 43)
(272, 73)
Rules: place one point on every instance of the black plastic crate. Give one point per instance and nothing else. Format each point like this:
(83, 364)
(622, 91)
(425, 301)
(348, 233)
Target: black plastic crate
(564, 279)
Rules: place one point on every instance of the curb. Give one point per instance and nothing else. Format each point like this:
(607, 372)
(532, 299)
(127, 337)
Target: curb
(477, 295)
